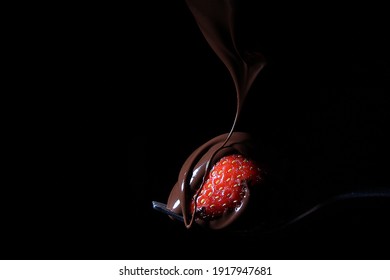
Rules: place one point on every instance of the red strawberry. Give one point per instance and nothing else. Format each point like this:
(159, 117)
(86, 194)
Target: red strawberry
(223, 188)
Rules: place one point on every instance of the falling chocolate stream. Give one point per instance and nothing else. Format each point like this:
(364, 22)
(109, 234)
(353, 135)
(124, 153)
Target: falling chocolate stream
(216, 21)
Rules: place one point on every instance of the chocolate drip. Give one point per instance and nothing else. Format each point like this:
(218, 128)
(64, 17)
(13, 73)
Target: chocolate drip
(216, 21)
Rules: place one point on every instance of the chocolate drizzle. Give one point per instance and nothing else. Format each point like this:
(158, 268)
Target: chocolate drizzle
(216, 20)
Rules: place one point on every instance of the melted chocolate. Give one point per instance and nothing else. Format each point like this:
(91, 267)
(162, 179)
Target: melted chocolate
(216, 20)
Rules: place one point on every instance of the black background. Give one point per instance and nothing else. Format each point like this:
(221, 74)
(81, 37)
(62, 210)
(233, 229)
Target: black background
(114, 98)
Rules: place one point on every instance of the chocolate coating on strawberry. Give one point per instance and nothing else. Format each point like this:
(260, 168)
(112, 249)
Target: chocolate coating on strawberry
(192, 180)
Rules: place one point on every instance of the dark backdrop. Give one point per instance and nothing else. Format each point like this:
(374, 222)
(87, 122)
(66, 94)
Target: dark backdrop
(125, 93)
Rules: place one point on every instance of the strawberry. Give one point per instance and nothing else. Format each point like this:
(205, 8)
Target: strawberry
(224, 186)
